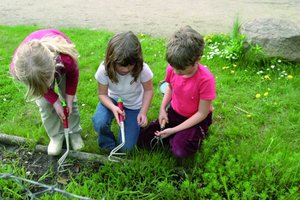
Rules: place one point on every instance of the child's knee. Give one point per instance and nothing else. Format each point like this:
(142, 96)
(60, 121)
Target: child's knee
(182, 149)
(179, 153)
(100, 126)
(128, 146)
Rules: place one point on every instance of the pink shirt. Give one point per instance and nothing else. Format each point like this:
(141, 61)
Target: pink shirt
(70, 67)
(187, 91)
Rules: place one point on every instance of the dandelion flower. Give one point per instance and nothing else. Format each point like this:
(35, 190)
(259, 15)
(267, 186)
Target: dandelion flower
(266, 94)
(258, 95)
(267, 77)
(225, 67)
(290, 76)
(232, 71)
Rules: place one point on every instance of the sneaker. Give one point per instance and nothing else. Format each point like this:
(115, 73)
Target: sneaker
(55, 145)
(76, 141)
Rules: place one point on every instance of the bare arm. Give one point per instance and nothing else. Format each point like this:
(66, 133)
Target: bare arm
(106, 101)
(147, 97)
(166, 100)
(199, 116)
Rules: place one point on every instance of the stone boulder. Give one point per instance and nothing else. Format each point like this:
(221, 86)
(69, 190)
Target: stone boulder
(278, 38)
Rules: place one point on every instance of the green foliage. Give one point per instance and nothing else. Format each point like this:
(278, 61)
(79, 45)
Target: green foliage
(252, 151)
(9, 188)
(234, 48)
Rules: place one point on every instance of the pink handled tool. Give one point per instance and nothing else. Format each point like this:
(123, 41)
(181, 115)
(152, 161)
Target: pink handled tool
(113, 154)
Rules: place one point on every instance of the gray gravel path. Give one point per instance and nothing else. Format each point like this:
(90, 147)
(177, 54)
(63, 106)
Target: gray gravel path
(154, 17)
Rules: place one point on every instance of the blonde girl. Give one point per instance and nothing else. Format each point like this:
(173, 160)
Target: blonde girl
(45, 58)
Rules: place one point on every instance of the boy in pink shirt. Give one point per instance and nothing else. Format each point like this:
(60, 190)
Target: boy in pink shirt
(191, 89)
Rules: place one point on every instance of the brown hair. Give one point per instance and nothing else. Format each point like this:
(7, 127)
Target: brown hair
(123, 49)
(184, 48)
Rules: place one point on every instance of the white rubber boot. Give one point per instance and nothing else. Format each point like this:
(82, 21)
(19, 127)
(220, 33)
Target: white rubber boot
(55, 145)
(76, 141)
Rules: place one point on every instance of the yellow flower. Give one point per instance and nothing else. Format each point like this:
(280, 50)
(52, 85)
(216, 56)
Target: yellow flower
(266, 94)
(267, 77)
(207, 37)
(290, 76)
(232, 71)
(225, 67)
(234, 65)
(257, 95)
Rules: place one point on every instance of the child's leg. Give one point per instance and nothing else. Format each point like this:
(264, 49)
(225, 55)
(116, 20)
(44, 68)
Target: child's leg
(74, 125)
(132, 129)
(187, 142)
(102, 124)
(147, 135)
(53, 126)
(74, 119)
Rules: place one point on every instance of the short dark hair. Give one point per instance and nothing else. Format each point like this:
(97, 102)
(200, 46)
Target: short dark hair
(184, 48)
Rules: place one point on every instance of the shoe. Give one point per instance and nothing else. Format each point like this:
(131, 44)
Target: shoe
(55, 145)
(76, 141)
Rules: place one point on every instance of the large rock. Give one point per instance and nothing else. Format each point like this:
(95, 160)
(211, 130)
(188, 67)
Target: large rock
(279, 38)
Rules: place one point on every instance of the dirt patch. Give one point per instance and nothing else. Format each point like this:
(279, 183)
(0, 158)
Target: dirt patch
(43, 168)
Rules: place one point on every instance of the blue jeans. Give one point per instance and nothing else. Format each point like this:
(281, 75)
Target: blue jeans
(102, 120)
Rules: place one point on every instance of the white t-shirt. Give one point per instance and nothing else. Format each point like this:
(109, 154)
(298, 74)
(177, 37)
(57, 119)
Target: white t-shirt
(129, 90)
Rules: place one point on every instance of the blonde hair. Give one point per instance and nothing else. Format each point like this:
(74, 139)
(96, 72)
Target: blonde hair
(35, 63)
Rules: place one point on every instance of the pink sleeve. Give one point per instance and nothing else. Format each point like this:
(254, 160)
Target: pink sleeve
(168, 73)
(51, 96)
(72, 74)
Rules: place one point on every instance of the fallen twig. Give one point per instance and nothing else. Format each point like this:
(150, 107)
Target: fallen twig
(16, 140)
(240, 109)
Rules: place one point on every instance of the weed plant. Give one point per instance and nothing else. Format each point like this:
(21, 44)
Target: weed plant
(252, 151)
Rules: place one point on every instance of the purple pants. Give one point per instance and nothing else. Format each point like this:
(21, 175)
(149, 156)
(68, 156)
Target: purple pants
(183, 143)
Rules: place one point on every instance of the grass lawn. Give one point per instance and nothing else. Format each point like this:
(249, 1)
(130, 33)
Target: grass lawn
(253, 147)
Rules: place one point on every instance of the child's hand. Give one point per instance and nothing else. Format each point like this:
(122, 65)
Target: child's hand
(163, 119)
(165, 133)
(59, 109)
(142, 120)
(117, 111)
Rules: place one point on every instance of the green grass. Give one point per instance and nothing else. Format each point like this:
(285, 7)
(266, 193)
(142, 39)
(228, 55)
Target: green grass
(252, 151)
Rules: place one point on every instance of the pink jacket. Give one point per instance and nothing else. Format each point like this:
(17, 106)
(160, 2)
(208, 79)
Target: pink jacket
(70, 67)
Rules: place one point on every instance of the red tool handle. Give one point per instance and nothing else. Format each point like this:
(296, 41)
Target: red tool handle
(121, 106)
(66, 112)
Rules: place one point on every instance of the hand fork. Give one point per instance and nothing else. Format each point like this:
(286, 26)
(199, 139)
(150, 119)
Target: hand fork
(66, 133)
(157, 140)
(113, 154)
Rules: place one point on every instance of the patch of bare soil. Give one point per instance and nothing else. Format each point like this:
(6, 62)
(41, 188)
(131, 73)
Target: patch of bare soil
(42, 168)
